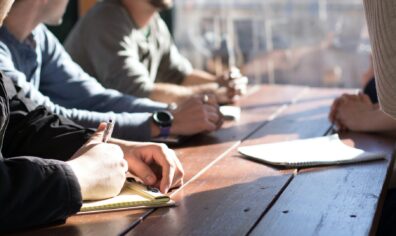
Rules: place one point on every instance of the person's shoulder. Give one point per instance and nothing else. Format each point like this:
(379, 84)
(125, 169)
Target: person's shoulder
(41, 32)
(106, 12)
(160, 24)
(44, 37)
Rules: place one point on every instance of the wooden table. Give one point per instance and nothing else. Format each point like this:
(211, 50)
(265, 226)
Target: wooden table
(226, 194)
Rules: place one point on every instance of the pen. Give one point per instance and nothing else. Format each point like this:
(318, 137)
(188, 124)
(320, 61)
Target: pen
(108, 131)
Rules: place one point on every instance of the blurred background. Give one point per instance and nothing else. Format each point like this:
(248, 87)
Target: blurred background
(320, 43)
(305, 42)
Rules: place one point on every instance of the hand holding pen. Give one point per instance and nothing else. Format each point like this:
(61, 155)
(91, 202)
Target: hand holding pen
(99, 167)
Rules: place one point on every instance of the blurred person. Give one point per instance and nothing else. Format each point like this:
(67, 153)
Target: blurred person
(127, 46)
(37, 63)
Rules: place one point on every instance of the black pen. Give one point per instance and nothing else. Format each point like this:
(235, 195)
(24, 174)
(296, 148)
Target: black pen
(108, 131)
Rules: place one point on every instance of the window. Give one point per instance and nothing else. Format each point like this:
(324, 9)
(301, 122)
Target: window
(305, 42)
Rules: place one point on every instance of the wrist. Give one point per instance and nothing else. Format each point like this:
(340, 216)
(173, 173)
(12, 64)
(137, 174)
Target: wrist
(78, 173)
(162, 120)
(155, 131)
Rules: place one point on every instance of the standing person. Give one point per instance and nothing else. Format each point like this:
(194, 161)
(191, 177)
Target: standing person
(46, 170)
(127, 46)
(37, 63)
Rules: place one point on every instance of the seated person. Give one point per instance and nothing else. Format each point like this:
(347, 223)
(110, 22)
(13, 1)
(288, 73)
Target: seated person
(127, 46)
(34, 59)
(48, 164)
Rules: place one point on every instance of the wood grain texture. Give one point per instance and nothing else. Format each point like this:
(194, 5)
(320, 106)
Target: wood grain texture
(305, 118)
(225, 200)
(110, 223)
(196, 154)
(226, 194)
(337, 200)
(257, 109)
(230, 197)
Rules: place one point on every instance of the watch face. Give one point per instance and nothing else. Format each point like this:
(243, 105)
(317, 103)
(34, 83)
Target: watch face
(163, 118)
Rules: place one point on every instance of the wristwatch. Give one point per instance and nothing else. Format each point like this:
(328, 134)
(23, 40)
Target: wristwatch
(163, 119)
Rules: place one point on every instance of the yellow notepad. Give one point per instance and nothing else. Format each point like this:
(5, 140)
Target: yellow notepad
(133, 195)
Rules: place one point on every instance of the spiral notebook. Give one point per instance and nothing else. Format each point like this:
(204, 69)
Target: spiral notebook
(133, 195)
(328, 150)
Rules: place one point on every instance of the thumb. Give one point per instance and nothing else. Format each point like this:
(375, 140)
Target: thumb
(97, 137)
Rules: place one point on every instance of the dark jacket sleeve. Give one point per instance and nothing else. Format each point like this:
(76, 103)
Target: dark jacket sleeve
(36, 191)
(34, 131)
(41, 189)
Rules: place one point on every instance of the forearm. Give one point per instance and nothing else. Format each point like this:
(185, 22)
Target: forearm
(37, 132)
(381, 122)
(199, 77)
(129, 126)
(169, 93)
(34, 192)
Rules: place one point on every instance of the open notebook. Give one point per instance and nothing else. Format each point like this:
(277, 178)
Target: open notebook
(133, 195)
(326, 150)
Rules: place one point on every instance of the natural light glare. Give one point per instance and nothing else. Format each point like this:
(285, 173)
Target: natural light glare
(306, 42)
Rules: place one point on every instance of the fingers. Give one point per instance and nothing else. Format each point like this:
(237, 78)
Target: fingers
(172, 171)
(142, 170)
(156, 165)
(333, 110)
(236, 87)
(234, 82)
(340, 124)
(211, 99)
(364, 98)
(97, 137)
(212, 117)
(334, 115)
(163, 161)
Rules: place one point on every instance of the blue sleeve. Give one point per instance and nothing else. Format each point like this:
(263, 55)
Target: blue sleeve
(67, 84)
(132, 126)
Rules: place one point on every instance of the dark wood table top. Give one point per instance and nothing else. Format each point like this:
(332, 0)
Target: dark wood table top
(226, 194)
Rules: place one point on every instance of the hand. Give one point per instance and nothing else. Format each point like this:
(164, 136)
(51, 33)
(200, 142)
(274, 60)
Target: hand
(352, 112)
(99, 167)
(196, 116)
(232, 85)
(155, 164)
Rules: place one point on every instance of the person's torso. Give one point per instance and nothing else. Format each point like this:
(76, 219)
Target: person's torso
(148, 44)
